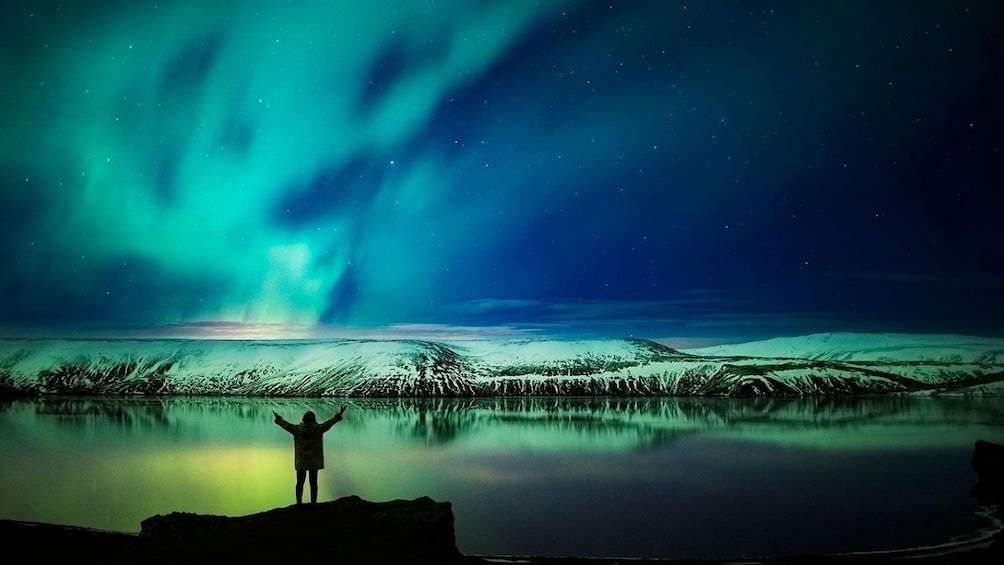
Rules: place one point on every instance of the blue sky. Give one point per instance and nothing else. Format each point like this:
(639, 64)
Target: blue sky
(703, 170)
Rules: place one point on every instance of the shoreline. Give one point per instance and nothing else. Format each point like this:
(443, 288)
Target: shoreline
(395, 532)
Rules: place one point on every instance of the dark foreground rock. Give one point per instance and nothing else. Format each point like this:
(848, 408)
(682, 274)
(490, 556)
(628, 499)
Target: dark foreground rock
(347, 530)
(354, 531)
(988, 462)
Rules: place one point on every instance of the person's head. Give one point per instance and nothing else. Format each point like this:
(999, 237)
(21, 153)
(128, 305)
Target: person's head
(309, 418)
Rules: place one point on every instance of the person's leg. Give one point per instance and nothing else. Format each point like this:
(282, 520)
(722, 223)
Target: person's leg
(300, 476)
(313, 486)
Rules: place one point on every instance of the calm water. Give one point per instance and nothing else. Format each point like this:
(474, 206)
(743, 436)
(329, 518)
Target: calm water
(675, 478)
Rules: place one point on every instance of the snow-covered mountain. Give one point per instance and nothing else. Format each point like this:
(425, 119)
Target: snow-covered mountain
(819, 364)
(869, 347)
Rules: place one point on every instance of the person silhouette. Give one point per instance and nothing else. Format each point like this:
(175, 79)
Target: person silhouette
(308, 448)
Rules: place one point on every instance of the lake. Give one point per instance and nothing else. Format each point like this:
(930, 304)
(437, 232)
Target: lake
(603, 477)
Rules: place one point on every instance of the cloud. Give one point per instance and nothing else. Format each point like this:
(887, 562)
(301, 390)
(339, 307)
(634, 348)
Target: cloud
(488, 305)
(696, 313)
(258, 331)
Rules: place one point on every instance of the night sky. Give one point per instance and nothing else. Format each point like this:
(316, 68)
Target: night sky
(700, 170)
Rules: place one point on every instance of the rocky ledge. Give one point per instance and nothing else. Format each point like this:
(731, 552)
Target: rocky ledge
(347, 530)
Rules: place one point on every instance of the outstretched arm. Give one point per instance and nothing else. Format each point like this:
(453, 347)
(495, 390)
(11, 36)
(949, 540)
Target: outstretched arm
(282, 423)
(334, 419)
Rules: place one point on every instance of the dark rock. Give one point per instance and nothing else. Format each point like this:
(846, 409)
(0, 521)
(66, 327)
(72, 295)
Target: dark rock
(347, 530)
(988, 462)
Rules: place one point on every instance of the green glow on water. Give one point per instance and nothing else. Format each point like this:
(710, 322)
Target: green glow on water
(110, 463)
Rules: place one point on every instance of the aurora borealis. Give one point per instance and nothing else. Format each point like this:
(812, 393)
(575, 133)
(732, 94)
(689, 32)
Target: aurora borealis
(658, 168)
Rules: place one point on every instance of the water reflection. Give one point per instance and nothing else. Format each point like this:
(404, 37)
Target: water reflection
(587, 422)
(637, 477)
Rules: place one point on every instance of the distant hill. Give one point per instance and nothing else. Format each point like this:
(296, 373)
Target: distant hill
(869, 347)
(810, 365)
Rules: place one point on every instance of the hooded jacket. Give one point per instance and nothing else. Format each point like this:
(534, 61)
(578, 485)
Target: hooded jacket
(308, 441)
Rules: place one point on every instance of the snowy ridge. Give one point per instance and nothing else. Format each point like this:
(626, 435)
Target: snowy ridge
(869, 347)
(416, 368)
